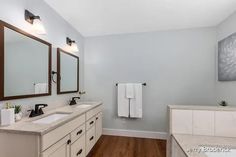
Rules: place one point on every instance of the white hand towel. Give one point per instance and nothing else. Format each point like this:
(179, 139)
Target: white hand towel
(136, 110)
(40, 88)
(130, 91)
(122, 101)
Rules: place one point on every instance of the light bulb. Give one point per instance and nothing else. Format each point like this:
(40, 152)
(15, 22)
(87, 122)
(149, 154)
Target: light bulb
(38, 27)
(74, 47)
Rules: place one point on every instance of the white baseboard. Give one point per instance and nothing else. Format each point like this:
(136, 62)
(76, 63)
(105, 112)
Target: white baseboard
(135, 133)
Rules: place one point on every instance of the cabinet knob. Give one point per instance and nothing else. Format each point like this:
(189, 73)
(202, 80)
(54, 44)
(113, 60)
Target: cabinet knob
(91, 138)
(91, 122)
(79, 132)
(79, 152)
(69, 141)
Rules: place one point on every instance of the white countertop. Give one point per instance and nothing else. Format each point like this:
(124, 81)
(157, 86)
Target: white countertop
(25, 126)
(191, 144)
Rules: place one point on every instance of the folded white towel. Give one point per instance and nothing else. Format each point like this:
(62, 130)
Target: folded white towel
(122, 101)
(130, 91)
(40, 88)
(136, 103)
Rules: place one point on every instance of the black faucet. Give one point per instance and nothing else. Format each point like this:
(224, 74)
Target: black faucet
(73, 102)
(38, 110)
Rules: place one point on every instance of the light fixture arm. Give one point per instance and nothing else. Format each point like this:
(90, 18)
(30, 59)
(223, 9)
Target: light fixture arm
(30, 17)
(35, 17)
(69, 41)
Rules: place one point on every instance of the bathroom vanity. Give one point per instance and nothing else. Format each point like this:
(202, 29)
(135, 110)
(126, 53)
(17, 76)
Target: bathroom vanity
(69, 131)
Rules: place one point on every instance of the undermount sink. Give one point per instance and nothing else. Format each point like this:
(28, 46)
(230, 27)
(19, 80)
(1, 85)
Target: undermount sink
(83, 106)
(51, 118)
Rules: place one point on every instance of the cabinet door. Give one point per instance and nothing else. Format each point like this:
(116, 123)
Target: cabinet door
(78, 147)
(98, 125)
(59, 149)
(90, 139)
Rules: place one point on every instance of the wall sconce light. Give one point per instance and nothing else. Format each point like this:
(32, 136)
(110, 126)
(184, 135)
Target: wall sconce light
(36, 22)
(72, 44)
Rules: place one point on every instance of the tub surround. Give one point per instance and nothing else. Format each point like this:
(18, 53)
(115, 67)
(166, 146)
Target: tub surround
(202, 120)
(26, 125)
(190, 145)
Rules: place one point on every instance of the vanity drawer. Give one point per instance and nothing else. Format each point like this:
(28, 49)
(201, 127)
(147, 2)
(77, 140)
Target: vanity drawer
(78, 147)
(93, 112)
(90, 139)
(90, 123)
(77, 133)
(55, 135)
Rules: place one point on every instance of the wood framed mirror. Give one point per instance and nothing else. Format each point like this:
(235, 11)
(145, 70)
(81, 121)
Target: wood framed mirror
(68, 72)
(25, 65)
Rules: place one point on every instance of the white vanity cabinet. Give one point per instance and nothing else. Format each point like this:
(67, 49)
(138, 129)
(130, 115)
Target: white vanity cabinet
(82, 139)
(74, 138)
(73, 145)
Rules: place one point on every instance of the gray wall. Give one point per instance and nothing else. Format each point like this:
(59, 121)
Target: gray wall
(12, 11)
(226, 90)
(178, 67)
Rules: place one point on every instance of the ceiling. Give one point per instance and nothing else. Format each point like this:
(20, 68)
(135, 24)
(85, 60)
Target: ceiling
(105, 17)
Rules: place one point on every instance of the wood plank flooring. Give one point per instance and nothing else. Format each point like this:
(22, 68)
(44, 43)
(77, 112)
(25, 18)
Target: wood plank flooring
(114, 146)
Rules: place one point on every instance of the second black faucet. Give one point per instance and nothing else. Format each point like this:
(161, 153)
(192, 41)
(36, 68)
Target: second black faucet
(73, 102)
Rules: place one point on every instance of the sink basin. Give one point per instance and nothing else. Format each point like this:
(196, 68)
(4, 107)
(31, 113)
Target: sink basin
(51, 118)
(83, 106)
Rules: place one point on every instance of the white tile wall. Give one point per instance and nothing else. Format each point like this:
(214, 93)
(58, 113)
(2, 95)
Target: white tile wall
(203, 122)
(182, 121)
(225, 123)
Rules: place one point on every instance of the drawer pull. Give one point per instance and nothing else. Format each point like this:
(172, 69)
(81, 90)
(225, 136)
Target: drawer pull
(96, 118)
(79, 132)
(91, 122)
(69, 141)
(79, 152)
(91, 138)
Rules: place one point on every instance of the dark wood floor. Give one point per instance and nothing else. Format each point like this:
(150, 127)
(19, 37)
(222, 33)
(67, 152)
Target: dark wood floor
(114, 146)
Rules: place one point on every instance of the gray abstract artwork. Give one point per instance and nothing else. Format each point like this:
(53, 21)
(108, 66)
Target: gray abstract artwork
(227, 59)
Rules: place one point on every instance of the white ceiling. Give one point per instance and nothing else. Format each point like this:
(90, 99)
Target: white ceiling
(103, 17)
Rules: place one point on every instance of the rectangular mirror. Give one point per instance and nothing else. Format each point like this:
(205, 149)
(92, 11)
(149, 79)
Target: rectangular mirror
(68, 72)
(25, 64)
